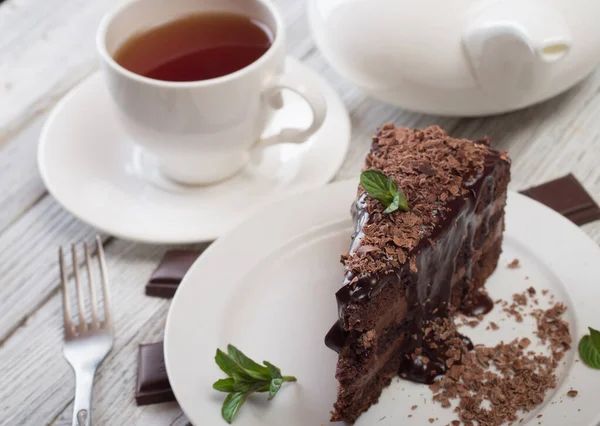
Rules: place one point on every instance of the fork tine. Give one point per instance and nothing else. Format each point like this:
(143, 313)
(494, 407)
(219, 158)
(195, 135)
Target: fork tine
(82, 322)
(105, 286)
(92, 286)
(69, 329)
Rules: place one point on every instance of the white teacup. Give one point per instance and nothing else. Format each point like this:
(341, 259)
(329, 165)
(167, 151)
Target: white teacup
(202, 131)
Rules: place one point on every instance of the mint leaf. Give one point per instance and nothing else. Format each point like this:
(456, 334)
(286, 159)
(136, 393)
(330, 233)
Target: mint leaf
(392, 187)
(589, 353)
(242, 382)
(224, 385)
(249, 387)
(385, 190)
(252, 368)
(246, 378)
(595, 336)
(274, 371)
(376, 184)
(228, 365)
(394, 205)
(249, 384)
(399, 201)
(232, 405)
(274, 388)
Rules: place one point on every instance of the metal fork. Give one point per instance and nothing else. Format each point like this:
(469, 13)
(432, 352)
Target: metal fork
(86, 344)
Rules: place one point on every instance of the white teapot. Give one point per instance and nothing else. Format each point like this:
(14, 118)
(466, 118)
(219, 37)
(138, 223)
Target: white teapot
(459, 57)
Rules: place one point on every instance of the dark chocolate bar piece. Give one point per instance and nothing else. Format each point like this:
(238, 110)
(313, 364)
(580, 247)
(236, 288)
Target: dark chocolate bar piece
(170, 271)
(568, 197)
(153, 385)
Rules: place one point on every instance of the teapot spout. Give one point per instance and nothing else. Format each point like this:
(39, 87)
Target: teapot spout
(509, 42)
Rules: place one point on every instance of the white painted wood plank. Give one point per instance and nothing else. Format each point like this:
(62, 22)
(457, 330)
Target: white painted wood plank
(21, 186)
(46, 47)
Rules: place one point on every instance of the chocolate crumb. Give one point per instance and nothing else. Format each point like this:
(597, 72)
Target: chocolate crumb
(414, 407)
(514, 264)
(520, 299)
(572, 393)
(531, 291)
(431, 420)
(524, 343)
(494, 326)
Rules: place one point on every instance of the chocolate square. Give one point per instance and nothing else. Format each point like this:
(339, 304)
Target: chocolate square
(170, 271)
(153, 385)
(568, 197)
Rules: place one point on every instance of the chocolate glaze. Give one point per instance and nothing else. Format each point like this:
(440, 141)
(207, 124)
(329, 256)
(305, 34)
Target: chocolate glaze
(477, 303)
(415, 370)
(428, 290)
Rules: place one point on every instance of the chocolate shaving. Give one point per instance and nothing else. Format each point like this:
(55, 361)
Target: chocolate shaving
(493, 384)
(514, 264)
(551, 328)
(520, 383)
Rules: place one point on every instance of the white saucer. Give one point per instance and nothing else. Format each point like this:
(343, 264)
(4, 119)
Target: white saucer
(269, 286)
(90, 166)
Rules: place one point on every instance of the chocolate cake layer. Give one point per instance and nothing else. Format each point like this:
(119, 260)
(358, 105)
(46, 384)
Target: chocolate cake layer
(405, 271)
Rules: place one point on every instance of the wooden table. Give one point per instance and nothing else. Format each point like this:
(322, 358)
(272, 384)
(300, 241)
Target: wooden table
(47, 47)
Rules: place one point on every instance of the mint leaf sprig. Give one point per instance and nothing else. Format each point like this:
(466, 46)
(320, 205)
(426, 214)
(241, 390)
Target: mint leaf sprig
(589, 348)
(384, 189)
(245, 378)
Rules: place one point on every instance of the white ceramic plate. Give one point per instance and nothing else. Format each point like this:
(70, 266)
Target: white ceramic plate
(268, 287)
(92, 168)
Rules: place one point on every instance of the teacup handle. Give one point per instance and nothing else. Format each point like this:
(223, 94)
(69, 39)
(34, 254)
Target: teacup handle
(314, 99)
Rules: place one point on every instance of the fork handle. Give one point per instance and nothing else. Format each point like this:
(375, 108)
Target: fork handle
(82, 408)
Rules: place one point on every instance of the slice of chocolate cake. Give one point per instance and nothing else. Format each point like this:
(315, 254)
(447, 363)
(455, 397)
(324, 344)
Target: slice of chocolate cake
(408, 272)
